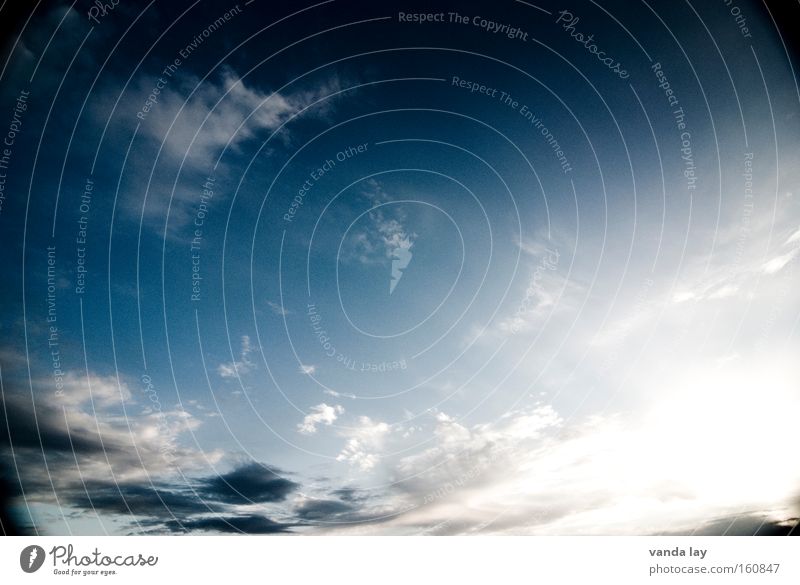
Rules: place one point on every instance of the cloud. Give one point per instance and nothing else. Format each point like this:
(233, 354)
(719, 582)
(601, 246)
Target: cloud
(745, 525)
(547, 291)
(206, 503)
(222, 112)
(466, 452)
(307, 369)
(336, 394)
(326, 510)
(138, 499)
(385, 237)
(731, 273)
(250, 483)
(394, 234)
(96, 445)
(110, 451)
(779, 262)
(245, 524)
(706, 448)
(192, 126)
(529, 471)
(241, 366)
(794, 238)
(117, 436)
(364, 443)
(319, 414)
(349, 494)
(215, 503)
(278, 309)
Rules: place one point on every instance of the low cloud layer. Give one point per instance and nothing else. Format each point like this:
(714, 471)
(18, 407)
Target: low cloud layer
(529, 471)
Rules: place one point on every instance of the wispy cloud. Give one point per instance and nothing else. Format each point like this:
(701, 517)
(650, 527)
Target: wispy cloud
(193, 124)
(336, 394)
(778, 263)
(241, 366)
(547, 290)
(221, 113)
(278, 309)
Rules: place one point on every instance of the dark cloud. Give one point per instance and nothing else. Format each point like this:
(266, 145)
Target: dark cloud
(10, 523)
(745, 525)
(250, 483)
(349, 494)
(250, 524)
(323, 509)
(80, 438)
(59, 453)
(182, 507)
(72, 450)
(46, 429)
(141, 500)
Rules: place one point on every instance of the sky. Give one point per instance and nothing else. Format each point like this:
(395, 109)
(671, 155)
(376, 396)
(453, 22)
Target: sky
(399, 268)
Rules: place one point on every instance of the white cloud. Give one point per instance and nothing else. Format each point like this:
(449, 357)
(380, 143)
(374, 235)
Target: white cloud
(386, 237)
(336, 394)
(107, 431)
(222, 113)
(394, 235)
(241, 366)
(706, 405)
(547, 291)
(683, 296)
(307, 369)
(457, 447)
(737, 266)
(709, 446)
(319, 414)
(795, 237)
(725, 291)
(779, 262)
(364, 443)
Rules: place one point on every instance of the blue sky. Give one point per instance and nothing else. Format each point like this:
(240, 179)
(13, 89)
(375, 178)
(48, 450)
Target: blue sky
(314, 269)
